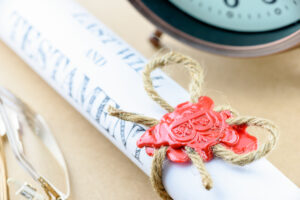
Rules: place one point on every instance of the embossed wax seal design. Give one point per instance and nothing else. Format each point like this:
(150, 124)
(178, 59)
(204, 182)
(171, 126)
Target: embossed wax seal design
(198, 126)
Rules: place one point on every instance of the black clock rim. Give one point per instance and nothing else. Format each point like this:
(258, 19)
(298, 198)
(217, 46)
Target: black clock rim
(218, 41)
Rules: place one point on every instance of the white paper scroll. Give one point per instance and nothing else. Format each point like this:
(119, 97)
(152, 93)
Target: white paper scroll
(92, 68)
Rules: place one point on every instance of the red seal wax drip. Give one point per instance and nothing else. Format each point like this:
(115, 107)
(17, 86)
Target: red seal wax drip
(198, 126)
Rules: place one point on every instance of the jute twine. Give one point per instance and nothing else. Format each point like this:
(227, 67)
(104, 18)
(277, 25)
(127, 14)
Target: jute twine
(197, 76)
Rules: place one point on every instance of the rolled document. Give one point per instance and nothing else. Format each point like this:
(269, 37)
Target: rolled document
(93, 68)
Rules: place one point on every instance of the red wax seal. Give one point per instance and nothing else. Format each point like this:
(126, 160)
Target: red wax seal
(198, 126)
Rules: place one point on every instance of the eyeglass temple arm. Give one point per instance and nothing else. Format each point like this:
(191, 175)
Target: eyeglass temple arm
(3, 185)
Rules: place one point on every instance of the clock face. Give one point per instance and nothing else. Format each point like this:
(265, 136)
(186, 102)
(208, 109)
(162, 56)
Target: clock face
(243, 15)
(240, 28)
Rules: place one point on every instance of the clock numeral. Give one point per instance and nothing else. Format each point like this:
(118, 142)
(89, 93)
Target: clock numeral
(269, 1)
(235, 3)
(232, 3)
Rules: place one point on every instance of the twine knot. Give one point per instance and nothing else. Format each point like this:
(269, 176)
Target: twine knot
(229, 121)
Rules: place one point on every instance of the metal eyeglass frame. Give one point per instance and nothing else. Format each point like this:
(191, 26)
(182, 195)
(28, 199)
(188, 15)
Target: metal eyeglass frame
(42, 131)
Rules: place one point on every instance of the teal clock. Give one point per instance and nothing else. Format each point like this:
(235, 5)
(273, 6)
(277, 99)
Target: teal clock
(240, 28)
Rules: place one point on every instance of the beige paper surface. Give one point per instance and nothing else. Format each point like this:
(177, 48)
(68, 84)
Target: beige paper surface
(268, 87)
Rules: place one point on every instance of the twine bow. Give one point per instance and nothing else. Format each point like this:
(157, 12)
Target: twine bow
(196, 73)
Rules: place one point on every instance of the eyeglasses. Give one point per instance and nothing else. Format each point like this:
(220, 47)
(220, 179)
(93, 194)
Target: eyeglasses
(16, 115)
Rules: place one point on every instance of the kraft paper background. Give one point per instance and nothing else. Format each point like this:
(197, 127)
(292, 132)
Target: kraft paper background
(268, 87)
